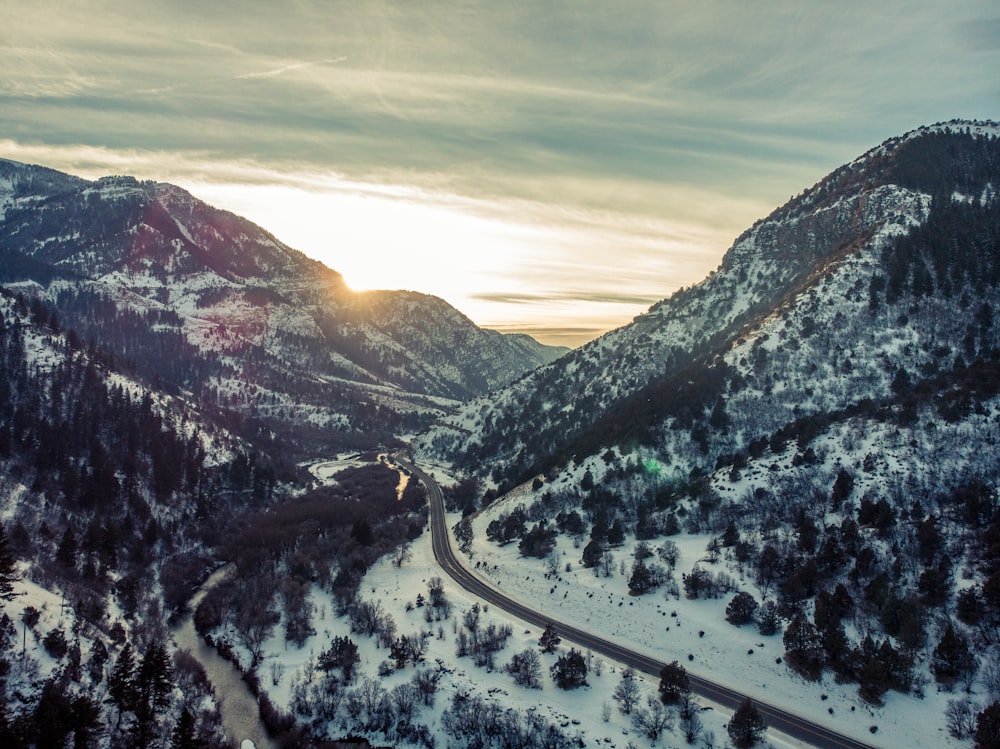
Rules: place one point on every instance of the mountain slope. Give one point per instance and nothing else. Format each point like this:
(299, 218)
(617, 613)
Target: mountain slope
(668, 364)
(824, 411)
(205, 300)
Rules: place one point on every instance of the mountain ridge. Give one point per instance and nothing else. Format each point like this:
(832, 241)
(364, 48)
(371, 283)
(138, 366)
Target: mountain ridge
(856, 209)
(219, 292)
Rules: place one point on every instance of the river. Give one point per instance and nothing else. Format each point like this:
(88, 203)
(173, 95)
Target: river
(240, 715)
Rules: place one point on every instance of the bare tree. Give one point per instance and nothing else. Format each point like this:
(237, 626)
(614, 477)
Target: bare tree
(627, 692)
(961, 717)
(386, 631)
(607, 564)
(526, 668)
(426, 682)
(277, 671)
(367, 617)
(254, 620)
(654, 719)
(688, 710)
(552, 564)
(368, 704)
(405, 699)
(401, 555)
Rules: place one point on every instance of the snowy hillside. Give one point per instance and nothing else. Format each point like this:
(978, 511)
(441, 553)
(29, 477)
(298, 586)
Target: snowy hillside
(781, 266)
(207, 301)
(821, 416)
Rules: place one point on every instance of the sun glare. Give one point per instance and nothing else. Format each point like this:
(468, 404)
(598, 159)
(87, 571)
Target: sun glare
(475, 255)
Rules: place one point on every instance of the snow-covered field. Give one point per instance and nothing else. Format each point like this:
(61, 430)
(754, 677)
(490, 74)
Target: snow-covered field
(577, 711)
(670, 628)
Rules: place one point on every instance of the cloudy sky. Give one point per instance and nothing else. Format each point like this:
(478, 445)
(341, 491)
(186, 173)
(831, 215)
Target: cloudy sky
(547, 166)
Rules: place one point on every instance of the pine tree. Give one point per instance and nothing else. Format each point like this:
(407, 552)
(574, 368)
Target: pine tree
(570, 671)
(952, 658)
(988, 728)
(741, 609)
(8, 569)
(803, 648)
(747, 726)
(152, 692)
(66, 552)
(592, 554)
(121, 681)
(549, 640)
(641, 580)
(183, 736)
(674, 682)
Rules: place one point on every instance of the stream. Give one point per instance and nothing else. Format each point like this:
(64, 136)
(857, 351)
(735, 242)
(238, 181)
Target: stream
(237, 705)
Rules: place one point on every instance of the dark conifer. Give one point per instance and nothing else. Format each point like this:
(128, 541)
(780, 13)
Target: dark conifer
(747, 726)
(8, 568)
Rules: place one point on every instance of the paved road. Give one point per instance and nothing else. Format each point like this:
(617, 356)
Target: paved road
(781, 720)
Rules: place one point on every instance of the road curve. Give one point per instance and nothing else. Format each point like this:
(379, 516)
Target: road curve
(781, 720)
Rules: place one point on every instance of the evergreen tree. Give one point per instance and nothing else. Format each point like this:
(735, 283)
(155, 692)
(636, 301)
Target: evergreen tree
(152, 685)
(66, 552)
(183, 735)
(570, 671)
(8, 569)
(674, 682)
(641, 580)
(747, 726)
(988, 728)
(121, 681)
(86, 720)
(592, 553)
(803, 647)
(768, 618)
(952, 658)
(741, 609)
(549, 640)
(616, 533)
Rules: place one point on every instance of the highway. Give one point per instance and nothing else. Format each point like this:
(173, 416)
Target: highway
(790, 724)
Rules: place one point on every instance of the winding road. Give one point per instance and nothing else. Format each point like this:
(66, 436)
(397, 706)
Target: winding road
(777, 718)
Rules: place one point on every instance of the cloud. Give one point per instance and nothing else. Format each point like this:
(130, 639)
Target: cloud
(604, 149)
(588, 298)
(292, 67)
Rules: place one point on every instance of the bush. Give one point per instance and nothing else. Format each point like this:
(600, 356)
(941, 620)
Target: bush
(55, 644)
(570, 671)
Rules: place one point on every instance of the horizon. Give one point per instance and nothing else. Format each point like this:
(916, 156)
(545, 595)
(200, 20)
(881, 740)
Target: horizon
(553, 170)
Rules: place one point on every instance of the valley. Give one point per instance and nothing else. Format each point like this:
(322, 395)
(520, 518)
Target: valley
(781, 484)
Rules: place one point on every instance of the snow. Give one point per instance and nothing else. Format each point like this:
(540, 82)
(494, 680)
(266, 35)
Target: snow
(666, 627)
(580, 709)
(671, 628)
(55, 613)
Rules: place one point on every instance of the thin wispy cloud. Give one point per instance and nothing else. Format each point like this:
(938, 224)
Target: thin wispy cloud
(291, 67)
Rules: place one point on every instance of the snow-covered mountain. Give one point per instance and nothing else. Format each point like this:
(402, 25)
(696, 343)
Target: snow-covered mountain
(206, 301)
(820, 416)
(884, 265)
